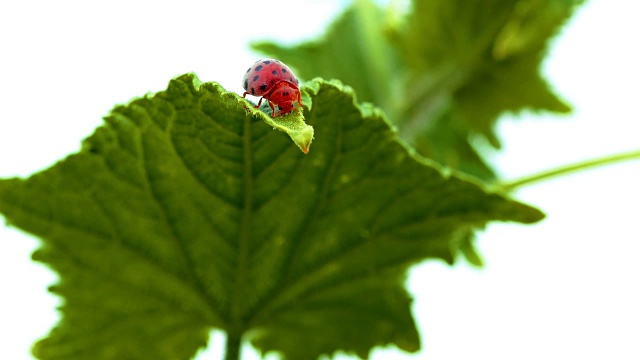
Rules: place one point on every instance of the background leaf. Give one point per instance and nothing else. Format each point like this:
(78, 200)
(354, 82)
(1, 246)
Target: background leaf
(184, 212)
(445, 72)
(492, 49)
(351, 51)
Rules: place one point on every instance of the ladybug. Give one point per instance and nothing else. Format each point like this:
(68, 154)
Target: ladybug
(274, 81)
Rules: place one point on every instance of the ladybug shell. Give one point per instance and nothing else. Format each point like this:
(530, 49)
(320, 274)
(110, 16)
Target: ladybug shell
(266, 73)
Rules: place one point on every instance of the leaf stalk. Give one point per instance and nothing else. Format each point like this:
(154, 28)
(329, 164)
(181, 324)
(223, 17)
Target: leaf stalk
(567, 169)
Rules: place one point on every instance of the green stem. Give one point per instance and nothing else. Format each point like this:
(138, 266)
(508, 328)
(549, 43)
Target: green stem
(233, 347)
(367, 17)
(566, 169)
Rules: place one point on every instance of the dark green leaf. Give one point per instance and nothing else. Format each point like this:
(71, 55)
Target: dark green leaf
(185, 212)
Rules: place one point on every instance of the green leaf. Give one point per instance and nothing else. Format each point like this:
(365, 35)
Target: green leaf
(473, 61)
(443, 135)
(445, 72)
(293, 124)
(351, 51)
(185, 212)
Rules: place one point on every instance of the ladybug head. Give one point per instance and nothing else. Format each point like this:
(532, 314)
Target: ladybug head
(284, 94)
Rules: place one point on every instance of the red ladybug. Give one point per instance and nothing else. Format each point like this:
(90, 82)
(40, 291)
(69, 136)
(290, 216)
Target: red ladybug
(274, 81)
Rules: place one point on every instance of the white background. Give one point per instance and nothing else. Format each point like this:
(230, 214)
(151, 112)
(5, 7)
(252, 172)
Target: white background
(566, 288)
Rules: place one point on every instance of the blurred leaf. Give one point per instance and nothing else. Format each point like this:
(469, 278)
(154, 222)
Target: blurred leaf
(352, 51)
(491, 48)
(445, 133)
(471, 61)
(449, 59)
(185, 212)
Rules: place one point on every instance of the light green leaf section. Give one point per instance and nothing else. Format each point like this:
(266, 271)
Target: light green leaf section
(445, 71)
(293, 125)
(185, 212)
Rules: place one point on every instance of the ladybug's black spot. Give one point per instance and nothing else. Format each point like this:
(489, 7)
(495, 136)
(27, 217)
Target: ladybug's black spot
(259, 67)
(267, 62)
(274, 72)
(253, 91)
(255, 78)
(249, 69)
(246, 83)
(286, 93)
(284, 71)
(290, 79)
(263, 87)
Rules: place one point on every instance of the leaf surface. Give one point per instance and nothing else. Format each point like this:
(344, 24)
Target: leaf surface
(185, 212)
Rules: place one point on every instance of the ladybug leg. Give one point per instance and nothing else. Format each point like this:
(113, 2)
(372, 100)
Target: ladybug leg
(259, 102)
(245, 94)
(300, 100)
(273, 110)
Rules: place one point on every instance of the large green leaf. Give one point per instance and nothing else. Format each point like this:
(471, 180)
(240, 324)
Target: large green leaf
(185, 212)
(445, 72)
